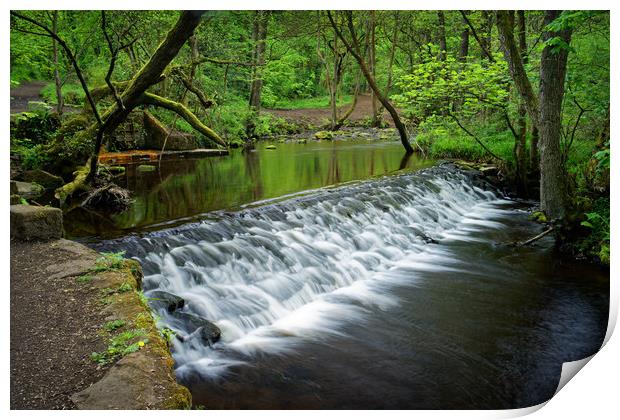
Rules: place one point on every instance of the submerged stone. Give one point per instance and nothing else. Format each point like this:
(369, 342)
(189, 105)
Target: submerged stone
(161, 299)
(207, 331)
(116, 170)
(146, 168)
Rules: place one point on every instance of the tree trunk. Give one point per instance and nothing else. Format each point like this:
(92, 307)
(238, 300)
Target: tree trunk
(349, 111)
(259, 35)
(390, 72)
(58, 83)
(146, 77)
(553, 177)
(534, 162)
(354, 49)
(520, 142)
(442, 35)
(487, 28)
(372, 64)
(464, 47)
(512, 54)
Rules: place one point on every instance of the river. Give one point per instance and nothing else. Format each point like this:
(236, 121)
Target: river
(398, 289)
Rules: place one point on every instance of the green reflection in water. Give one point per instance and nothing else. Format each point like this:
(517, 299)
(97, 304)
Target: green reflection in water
(186, 188)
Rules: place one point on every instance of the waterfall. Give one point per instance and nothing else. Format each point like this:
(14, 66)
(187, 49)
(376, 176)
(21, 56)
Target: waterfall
(272, 276)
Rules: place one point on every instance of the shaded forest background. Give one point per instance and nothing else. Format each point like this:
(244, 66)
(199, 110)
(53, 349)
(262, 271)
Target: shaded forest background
(455, 84)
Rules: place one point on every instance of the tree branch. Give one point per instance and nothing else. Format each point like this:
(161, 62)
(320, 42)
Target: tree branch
(475, 34)
(474, 137)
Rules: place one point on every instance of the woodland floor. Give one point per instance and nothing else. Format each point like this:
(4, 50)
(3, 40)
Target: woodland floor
(319, 116)
(54, 329)
(22, 94)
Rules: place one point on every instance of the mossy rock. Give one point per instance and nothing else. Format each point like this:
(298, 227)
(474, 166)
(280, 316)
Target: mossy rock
(302, 141)
(539, 216)
(146, 168)
(324, 135)
(270, 147)
(116, 170)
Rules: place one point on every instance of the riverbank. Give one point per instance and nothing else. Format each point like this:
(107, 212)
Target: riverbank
(82, 336)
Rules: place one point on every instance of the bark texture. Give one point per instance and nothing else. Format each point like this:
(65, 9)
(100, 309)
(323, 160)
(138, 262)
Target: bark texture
(259, 35)
(553, 177)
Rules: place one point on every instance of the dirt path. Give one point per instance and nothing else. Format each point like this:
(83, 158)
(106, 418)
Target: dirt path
(320, 116)
(22, 94)
(54, 325)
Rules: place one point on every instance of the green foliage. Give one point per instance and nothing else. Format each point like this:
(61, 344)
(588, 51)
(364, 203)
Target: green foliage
(441, 87)
(167, 334)
(308, 103)
(598, 220)
(125, 287)
(114, 325)
(120, 345)
(539, 217)
(604, 160)
(282, 79)
(143, 299)
(109, 261)
(269, 125)
(38, 127)
(32, 156)
(442, 138)
(84, 278)
(72, 94)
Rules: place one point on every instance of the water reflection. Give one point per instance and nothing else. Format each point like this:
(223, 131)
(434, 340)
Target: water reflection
(183, 189)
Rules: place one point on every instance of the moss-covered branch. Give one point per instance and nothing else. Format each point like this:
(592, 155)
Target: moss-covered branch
(181, 110)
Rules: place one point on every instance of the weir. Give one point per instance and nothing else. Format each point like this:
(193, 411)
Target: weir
(270, 275)
(396, 282)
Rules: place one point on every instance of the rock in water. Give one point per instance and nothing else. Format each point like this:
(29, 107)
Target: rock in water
(207, 331)
(489, 170)
(146, 168)
(161, 299)
(270, 147)
(324, 135)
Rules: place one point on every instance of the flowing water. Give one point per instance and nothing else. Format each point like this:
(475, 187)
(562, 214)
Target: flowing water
(400, 291)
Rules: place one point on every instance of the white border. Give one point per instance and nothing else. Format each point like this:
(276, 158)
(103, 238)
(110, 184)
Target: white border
(592, 394)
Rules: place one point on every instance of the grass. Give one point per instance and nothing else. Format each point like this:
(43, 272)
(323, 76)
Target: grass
(114, 325)
(120, 345)
(72, 93)
(457, 145)
(446, 141)
(109, 261)
(308, 103)
(84, 278)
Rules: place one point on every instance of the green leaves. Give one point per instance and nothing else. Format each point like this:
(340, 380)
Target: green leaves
(437, 87)
(557, 44)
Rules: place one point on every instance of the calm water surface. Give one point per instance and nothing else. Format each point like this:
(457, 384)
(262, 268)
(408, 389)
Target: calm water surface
(186, 189)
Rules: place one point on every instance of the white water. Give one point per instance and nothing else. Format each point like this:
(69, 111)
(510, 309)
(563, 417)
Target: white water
(303, 269)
